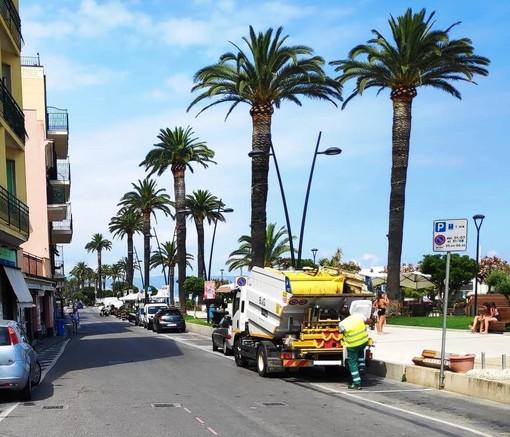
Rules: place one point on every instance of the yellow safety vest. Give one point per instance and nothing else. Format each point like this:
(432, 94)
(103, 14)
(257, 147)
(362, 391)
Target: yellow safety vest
(354, 330)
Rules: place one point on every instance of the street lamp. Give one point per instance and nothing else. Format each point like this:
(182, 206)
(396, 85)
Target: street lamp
(255, 153)
(314, 252)
(478, 219)
(221, 270)
(329, 152)
(223, 211)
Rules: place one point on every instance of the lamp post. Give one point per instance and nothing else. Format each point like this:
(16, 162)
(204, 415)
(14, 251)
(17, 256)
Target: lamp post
(329, 152)
(220, 210)
(314, 252)
(221, 270)
(255, 153)
(478, 219)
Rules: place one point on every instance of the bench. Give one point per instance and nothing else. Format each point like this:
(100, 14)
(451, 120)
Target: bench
(499, 299)
(504, 324)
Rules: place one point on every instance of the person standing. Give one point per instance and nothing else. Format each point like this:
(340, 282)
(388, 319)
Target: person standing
(355, 339)
(381, 305)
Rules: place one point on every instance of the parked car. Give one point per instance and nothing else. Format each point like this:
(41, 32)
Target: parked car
(222, 336)
(169, 319)
(139, 316)
(150, 310)
(19, 368)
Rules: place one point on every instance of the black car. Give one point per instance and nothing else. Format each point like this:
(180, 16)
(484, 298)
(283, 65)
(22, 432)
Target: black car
(222, 336)
(169, 319)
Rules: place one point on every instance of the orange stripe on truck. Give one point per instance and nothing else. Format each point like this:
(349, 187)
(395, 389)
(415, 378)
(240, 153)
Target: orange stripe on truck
(297, 363)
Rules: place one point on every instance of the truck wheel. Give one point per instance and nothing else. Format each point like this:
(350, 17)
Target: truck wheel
(262, 361)
(238, 358)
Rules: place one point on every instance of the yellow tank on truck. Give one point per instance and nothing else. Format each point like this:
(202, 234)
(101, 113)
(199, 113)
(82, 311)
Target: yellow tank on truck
(319, 284)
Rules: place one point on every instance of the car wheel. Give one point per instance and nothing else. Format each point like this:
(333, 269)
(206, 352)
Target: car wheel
(214, 347)
(36, 377)
(226, 350)
(26, 394)
(157, 329)
(238, 358)
(262, 361)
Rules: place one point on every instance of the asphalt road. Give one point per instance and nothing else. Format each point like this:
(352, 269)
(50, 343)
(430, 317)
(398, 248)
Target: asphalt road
(116, 379)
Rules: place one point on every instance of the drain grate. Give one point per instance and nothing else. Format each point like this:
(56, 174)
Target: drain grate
(163, 405)
(53, 407)
(272, 404)
(28, 404)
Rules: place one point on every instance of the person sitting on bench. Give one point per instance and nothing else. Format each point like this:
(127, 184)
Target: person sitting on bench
(479, 319)
(492, 316)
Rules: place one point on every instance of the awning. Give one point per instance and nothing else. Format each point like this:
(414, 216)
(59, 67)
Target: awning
(19, 285)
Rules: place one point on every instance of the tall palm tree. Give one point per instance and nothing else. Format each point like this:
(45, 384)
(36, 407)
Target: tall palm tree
(166, 256)
(269, 73)
(277, 243)
(127, 223)
(146, 199)
(98, 244)
(106, 272)
(177, 150)
(200, 206)
(420, 57)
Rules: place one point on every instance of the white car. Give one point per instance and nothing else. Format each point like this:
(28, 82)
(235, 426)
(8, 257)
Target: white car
(150, 310)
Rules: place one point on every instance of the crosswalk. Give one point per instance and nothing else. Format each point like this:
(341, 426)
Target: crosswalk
(48, 357)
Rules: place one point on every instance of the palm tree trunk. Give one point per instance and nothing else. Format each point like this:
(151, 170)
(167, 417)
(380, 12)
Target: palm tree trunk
(171, 280)
(180, 224)
(146, 252)
(261, 141)
(129, 266)
(201, 273)
(99, 283)
(400, 156)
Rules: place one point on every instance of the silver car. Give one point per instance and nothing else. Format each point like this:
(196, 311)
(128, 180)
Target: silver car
(19, 368)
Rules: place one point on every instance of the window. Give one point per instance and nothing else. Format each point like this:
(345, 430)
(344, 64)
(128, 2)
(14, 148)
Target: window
(11, 176)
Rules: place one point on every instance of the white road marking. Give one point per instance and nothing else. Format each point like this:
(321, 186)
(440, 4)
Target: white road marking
(401, 410)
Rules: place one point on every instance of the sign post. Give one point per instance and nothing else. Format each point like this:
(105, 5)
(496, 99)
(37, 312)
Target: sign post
(449, 236)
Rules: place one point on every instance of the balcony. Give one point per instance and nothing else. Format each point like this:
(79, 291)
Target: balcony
(33, 265)
(58, 129)
(14, 218)
(62, 231)
(58, 262)
(12, 113)
(57, 204)
(12, 21)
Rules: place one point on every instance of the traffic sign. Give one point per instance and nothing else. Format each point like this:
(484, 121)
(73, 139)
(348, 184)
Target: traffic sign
(450, 235)
(240, 281)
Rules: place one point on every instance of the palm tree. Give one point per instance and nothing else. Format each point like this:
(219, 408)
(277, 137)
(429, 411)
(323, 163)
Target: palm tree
(127, 223)
(146, 199)
(98, 244)
(166, 256)
(269, 73)
(200, 206)
(176, 150)
(79, 272)
(276, 245)
(106, 272)
(421, 57)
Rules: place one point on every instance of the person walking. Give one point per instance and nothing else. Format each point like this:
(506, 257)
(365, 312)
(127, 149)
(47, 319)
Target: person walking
(355, 339)
(75, 318)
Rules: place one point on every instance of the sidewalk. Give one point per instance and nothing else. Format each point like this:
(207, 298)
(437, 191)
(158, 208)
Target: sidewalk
(47, 342)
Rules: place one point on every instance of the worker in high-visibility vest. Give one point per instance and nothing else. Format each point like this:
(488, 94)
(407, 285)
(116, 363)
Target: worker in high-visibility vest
(355, 339)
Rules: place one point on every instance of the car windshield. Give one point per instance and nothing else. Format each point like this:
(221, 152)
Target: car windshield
(172, 312)
(153, 310)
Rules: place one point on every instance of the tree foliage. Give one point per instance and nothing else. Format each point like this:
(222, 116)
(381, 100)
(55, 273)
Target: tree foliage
(462, 271)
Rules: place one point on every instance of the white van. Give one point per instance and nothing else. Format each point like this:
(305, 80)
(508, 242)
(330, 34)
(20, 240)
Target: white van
(150, 310)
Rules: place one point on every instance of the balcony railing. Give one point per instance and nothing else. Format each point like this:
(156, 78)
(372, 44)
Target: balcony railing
(11, 18)
(57, 119)
(64, 225)
(30, 61)
(56, 195)
(61, 172)
(13, 211)
(12, 113)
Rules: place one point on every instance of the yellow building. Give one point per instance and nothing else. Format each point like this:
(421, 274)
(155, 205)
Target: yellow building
(14, 213)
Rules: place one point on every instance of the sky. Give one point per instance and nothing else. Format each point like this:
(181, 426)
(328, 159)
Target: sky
(124, 70)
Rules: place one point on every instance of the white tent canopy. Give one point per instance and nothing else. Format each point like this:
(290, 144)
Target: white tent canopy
(414, 280)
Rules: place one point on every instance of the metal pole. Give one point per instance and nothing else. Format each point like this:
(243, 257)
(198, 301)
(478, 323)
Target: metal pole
(285, 209)
(302, 232)
(159, 250)
(212, 243)
(445, 312)
(478, 225)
